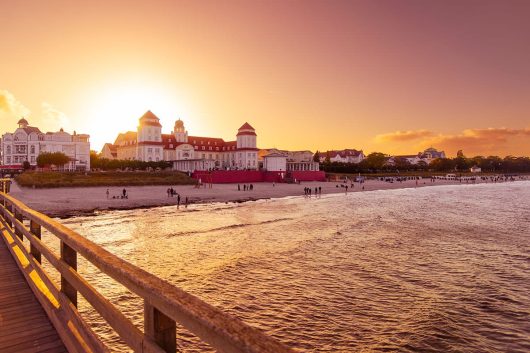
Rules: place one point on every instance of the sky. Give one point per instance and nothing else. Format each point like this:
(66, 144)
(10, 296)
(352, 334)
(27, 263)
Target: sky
(389, 76)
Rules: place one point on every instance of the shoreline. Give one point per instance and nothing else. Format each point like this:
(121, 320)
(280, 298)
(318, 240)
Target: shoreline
(88, 201)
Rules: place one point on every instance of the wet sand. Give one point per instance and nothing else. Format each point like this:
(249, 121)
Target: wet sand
(67, 202)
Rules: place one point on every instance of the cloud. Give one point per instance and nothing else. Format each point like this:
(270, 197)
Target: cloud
(9, 105)
(400, 136)
(483, 141)
(53, 117)
(489, 141)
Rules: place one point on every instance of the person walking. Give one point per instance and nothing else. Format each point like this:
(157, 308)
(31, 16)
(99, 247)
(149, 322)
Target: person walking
(186, 202)
(178, 200)
(108, 193)
(124, 193)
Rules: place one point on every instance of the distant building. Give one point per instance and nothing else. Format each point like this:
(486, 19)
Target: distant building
(342, 156)
(109, 151)
(475, 169)
(426, 157)
(282, 160)
(188, 153)
(28, 142)
(430, 154)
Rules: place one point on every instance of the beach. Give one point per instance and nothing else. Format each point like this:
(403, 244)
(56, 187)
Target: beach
(68, 202)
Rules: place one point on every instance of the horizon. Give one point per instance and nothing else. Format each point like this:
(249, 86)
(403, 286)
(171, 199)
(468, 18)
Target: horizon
(374, 76)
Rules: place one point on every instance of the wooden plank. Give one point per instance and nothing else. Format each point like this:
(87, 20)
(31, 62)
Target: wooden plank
(25, 326)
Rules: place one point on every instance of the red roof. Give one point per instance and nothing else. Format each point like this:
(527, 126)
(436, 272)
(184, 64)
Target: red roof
(246, 126)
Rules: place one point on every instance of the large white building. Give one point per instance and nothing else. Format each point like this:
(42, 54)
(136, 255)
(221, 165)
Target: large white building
(188, 153)
(28, 142)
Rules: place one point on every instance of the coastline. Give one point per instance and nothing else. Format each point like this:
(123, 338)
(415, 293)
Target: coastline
(86, 201)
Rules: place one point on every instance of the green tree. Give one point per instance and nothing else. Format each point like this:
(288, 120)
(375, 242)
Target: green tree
(316, 157)
(55, 158)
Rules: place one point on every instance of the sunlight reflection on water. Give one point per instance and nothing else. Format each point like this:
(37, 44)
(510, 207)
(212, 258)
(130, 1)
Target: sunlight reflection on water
(443, 268)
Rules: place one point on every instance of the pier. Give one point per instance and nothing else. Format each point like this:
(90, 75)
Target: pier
(40, 315)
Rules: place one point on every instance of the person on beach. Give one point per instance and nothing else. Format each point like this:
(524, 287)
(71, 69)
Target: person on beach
(346, 188)
(178, 200)
(168, 192)
(238, 187)
(251, 187)
(108, 192)
(186, 202)
(124, 193)
(320, 190)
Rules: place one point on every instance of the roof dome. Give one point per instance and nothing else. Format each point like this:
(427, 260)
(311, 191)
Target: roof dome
(179, 123)
(22, 122)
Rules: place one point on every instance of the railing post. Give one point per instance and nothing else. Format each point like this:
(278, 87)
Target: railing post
(19, 217)
(8, 209)
(160, 328)
(35, 229)
(69, 256)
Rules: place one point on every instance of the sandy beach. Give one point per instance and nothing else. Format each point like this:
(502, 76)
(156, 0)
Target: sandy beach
(67, 202)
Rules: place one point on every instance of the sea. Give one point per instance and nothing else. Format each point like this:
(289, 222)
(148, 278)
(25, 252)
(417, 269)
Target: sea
(430, 269)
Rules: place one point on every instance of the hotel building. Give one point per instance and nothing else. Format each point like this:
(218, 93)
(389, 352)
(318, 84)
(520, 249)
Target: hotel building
(28, 142)
(187, 153)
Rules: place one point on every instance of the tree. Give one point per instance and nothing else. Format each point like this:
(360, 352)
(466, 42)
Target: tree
(328, 158)
(26, 165)
(316, 157)
(55, 158)
(375, 161)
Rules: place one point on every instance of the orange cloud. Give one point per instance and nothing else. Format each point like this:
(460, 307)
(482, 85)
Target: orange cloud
(480, 141)
(490, 141)
(400, 136)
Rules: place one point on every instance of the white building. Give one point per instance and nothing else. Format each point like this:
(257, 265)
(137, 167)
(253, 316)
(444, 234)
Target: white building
(342, 156)
(188, 153)
(28, 142)
(281, 160)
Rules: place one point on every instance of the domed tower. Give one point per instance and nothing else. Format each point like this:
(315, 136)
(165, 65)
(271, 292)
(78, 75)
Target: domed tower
(181, 135)
(149, 138)
(246, 137)
(23, 123)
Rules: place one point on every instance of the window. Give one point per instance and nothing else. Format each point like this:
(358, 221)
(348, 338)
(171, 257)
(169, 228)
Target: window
(8, 160)
(203, 148)
(32, 150)
(203, 156)
(149, 150)
(32, 159)
(8, 150)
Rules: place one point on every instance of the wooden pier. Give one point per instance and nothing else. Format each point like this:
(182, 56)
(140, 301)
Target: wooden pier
(48, 310)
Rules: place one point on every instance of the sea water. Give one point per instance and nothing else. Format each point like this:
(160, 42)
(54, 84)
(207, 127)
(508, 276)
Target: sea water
(432, 269)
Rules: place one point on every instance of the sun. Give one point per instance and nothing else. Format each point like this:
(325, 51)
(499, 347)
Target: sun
(116, 108)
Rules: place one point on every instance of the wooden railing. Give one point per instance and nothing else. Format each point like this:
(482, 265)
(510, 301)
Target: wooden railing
(164, 304)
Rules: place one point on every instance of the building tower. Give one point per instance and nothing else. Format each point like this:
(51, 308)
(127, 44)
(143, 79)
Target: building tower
(149, 138)
(181, 135)
(23, 123)
(246, 137)
(247, 153)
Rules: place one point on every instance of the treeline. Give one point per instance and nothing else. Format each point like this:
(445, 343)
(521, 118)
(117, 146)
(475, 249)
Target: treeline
(378, 162)
(114, 164)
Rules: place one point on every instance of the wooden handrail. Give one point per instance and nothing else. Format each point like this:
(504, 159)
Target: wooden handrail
(164, 303)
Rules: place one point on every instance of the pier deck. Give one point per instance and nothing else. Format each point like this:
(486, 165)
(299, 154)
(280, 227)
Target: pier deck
(24, 326)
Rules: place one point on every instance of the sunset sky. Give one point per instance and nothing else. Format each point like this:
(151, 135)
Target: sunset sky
(390, 76)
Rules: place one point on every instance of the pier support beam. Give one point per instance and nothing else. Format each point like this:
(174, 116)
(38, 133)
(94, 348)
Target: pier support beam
(160, 328)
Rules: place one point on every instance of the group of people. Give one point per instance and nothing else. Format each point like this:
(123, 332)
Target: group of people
(123, 195)
(173, 193)
(246, 187)
(308, 191)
